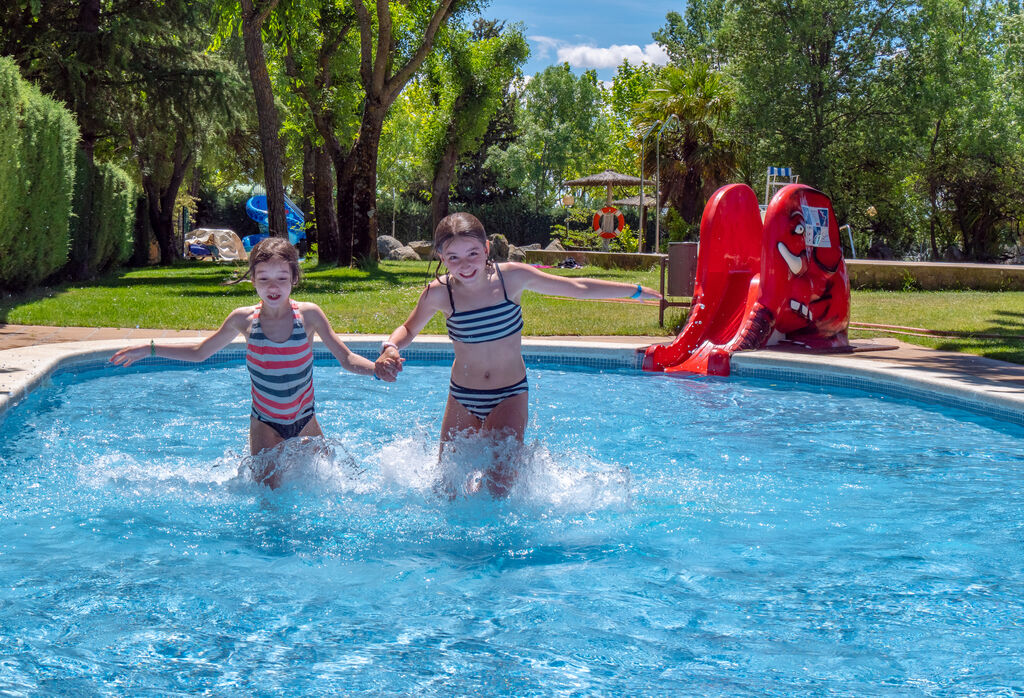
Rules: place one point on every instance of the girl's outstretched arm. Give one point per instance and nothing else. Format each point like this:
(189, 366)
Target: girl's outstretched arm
(527, 277)
(236, 323)
(426, 306)
(315, 319)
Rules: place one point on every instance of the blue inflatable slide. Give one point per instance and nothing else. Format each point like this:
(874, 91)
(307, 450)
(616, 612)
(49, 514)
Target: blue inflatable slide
(256, 207)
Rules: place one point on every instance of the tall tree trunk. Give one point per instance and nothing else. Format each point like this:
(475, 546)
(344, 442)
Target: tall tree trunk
(160, 203)
(161, 221)
(306, 204)
(362, 186)
(266, 113)
(382, 81)
(933, 194)
(328, 238)
(441, 186)
(87, 52)
(344, 173)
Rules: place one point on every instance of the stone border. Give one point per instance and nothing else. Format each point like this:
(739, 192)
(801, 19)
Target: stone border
(24, 369)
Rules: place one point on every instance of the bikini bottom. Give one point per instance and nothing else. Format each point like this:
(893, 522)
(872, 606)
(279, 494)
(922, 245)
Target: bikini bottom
(480, 403)
(286, 431)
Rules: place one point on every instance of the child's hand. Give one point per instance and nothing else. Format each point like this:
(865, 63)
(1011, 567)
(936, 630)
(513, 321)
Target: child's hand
(128, 356)
(387, 366)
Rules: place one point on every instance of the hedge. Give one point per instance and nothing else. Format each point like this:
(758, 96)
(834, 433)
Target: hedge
(104, 215)
(37, 174)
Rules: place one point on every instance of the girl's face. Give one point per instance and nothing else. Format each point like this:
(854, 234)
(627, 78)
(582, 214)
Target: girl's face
(466, 258)
(273, 281)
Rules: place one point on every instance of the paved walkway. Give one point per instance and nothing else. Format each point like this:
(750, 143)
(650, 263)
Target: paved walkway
(972, 370)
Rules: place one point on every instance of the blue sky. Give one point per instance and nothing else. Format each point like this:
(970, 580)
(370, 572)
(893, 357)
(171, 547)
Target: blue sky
(587, 33)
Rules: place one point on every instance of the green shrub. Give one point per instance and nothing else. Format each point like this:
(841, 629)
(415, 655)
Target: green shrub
(36, 181)
(103, 220)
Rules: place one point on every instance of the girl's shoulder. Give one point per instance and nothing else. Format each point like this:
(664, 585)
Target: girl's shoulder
(515, 268)
(436, 292)
(241, 318)
(516, 275)
(304, 306)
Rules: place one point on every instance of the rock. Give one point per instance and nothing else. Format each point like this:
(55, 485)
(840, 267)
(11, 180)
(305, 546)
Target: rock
(499, 248)
(555, 246)
(952, 254)
(424, 248)
(386, 244)
(531, 246)
(403, 254)
(516, 254)
(881, 251)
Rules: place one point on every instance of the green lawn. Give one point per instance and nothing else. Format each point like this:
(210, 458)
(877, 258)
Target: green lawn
(193, 296)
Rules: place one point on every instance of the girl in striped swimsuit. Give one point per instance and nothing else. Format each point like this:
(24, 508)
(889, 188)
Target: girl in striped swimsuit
(480, 301)
(279, 350)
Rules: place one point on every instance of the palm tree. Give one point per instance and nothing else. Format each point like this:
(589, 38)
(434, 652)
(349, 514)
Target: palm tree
(695, 160)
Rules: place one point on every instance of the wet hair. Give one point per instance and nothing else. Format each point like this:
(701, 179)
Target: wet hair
(271, 248)
(457, 225)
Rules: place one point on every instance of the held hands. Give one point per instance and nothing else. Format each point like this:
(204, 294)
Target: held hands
(388, 365)
(129, 355)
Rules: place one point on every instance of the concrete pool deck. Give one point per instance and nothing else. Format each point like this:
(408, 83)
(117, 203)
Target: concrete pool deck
(29, 352)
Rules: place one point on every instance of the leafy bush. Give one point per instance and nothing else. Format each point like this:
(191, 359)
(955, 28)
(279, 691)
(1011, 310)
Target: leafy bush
(37, 176)
(104, 216)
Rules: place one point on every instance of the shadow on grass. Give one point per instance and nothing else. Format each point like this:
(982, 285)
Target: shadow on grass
(206, 280)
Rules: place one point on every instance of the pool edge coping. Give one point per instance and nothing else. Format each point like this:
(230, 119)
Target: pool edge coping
(23, 369)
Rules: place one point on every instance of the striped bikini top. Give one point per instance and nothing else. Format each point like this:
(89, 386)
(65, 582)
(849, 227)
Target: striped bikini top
(485, 324)
(281, 372)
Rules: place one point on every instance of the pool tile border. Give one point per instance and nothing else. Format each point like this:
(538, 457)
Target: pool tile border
(24, 369)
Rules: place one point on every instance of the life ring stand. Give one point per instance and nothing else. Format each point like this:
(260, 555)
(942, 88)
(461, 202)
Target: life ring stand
(618, 221)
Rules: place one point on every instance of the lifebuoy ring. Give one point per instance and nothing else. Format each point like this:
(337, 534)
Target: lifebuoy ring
(609, 222)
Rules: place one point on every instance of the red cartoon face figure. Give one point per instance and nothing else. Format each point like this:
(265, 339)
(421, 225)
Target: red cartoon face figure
(803, 276)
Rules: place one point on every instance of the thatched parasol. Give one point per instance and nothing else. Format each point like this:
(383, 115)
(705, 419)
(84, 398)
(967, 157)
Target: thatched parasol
(608, 178)
(635, 201)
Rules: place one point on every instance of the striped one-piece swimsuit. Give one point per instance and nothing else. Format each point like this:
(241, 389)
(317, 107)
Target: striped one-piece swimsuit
(282, 375)
(485, 325)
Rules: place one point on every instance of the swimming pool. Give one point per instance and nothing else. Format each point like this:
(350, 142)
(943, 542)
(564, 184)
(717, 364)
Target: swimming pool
(669, 536)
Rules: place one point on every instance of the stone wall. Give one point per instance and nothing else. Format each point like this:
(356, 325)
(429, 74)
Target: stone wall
(607, 260)
(935, 276)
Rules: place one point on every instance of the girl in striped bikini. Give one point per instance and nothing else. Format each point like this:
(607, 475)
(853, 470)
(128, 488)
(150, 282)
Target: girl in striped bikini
(480, 301)
(279, 350)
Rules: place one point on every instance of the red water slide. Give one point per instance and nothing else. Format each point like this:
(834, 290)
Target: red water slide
(759, 283)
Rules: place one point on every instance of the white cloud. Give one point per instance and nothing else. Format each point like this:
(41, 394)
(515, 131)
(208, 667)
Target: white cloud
(544, 45)
(611, 57)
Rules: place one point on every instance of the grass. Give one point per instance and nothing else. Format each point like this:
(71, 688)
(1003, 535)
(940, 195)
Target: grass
(193, 296)
(962, 315)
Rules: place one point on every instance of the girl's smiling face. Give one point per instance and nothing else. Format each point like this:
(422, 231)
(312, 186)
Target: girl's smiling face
(273, 281)
(466, 258)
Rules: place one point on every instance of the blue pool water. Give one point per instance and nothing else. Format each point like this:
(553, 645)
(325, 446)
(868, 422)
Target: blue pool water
(667, 537)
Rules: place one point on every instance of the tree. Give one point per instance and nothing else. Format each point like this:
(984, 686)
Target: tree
(696, 35)
(391, 42)
(468, 81)
(321, 63)
(133, 72)
(832, 101)
(696, 159)
(254, 17)
(562, 133)
(390, 53)
(970, 153)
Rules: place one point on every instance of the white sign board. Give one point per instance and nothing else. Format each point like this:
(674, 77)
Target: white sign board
(816, 226)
